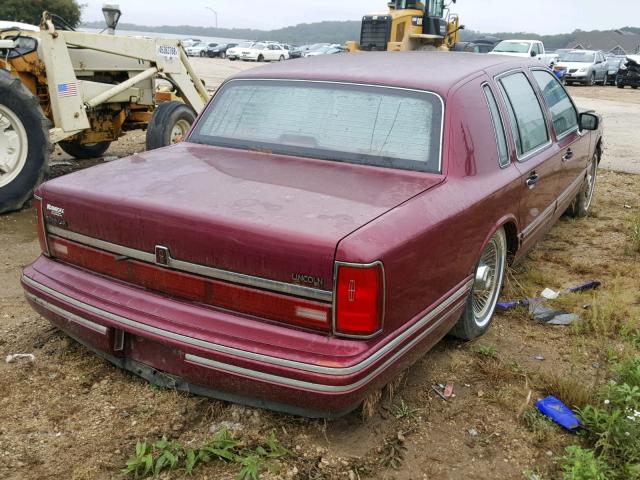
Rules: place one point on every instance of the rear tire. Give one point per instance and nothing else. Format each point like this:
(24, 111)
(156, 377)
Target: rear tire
(83, 152)
(583, 200)
(260, 59)
(488, 277)
(24, 143)
(592, 79)
(171, 121)
(281, 58)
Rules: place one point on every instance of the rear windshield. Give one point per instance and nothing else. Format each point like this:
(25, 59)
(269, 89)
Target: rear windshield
(369, 125)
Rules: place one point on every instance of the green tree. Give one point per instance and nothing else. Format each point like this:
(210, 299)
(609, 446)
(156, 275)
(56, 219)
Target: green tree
(30, 11)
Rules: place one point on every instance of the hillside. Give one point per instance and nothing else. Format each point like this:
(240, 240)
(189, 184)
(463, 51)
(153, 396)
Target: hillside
(336, 32)
(333, 32)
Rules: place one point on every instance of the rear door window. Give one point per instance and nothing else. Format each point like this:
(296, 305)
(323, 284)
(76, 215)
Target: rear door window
(563, 113)
(386, 127)
(498, 127)
(527, 120)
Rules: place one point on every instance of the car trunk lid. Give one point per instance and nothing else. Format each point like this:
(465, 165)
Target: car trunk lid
(255, 214)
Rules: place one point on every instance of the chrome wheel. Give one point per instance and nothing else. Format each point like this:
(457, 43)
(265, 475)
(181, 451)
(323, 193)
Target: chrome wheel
(590, 183)
(488, 279)
(13, 146)
(179, 131)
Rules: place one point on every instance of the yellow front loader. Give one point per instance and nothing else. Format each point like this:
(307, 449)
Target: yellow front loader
(409, 25)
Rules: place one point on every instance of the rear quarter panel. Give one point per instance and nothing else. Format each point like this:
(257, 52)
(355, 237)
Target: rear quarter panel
(432, 242)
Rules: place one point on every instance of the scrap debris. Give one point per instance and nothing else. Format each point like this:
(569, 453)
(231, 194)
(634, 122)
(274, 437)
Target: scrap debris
(13, 358)
(558, 412)
(508, 305)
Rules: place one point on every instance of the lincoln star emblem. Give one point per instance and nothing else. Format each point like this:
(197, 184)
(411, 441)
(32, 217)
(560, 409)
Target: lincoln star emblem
(162, 255)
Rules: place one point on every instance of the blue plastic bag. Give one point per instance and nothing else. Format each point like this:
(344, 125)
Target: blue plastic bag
(558, 412)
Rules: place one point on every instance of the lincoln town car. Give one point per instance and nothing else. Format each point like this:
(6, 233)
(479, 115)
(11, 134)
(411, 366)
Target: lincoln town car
(323, 225)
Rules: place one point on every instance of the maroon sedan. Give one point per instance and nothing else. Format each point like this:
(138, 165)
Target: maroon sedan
(325, 223)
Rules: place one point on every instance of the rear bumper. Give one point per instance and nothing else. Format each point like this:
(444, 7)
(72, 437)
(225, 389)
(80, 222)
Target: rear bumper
(211, 352)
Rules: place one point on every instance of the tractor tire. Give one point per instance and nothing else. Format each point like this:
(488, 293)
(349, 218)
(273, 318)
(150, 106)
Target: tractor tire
(169, 124)
(24, 143)
(86, 151)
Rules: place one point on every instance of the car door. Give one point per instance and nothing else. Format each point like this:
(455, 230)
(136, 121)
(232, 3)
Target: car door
(571, 146)
(539, 167)
(270, 53)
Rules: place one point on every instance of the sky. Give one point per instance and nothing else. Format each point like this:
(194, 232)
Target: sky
(539, 16)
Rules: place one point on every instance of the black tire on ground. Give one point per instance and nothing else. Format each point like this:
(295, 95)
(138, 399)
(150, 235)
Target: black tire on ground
(202, 53)
(17, 99)
(223, 55)
(582, 202)
(210, 54)
(619, 85)
(477, 317)
(233, 59)
(82, 152)
(261, 59)
(592, 79)
(635, 87)
(167, 118)
(281, 58)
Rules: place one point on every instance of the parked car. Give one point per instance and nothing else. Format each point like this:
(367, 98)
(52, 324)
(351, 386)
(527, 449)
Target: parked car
(233, 53)
(525, 49)
(200, 49)
(614, 62)
(329, 50)
(189, 42)
(264, 52)
(629, 73)
(584, 66)
(325, 223)
(220, 50)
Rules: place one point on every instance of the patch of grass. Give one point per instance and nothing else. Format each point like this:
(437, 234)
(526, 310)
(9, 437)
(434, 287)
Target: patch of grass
(153, 459)
(488, 351)
(634, 233)
(612, 430)
(540, 426)
(583, 464)
(402, 410)
(570, 388)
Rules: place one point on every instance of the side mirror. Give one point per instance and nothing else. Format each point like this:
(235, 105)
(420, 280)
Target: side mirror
(589, 121)
(533, 53)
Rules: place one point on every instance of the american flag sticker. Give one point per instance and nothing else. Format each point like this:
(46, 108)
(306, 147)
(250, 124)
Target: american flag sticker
(67, 90)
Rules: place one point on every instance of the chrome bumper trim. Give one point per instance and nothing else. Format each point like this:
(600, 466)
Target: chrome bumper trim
(233, 277)
(217, 348)
(72, 317)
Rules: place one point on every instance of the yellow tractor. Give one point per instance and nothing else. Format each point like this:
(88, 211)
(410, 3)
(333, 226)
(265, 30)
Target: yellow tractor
(410, 25)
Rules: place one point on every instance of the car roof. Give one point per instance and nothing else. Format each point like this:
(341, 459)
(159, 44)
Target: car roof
(433, 71)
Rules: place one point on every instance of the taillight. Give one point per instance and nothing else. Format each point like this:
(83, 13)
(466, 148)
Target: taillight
(359, 299)
(42, 234)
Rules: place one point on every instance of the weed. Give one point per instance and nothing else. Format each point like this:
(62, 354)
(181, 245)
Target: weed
(393, 452)
(582, 464)
(402, 410)
(488, 351)
(612, 428)
(568, 388)
(634, 233)
(539, 425)
(170, 455)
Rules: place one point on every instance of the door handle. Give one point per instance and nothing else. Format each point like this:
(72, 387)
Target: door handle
(532, 179)
(568, 155)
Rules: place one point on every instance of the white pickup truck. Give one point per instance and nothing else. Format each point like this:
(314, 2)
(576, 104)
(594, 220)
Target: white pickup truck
(525, 48)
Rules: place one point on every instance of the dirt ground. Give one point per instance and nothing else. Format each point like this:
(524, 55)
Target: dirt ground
(71, 415)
